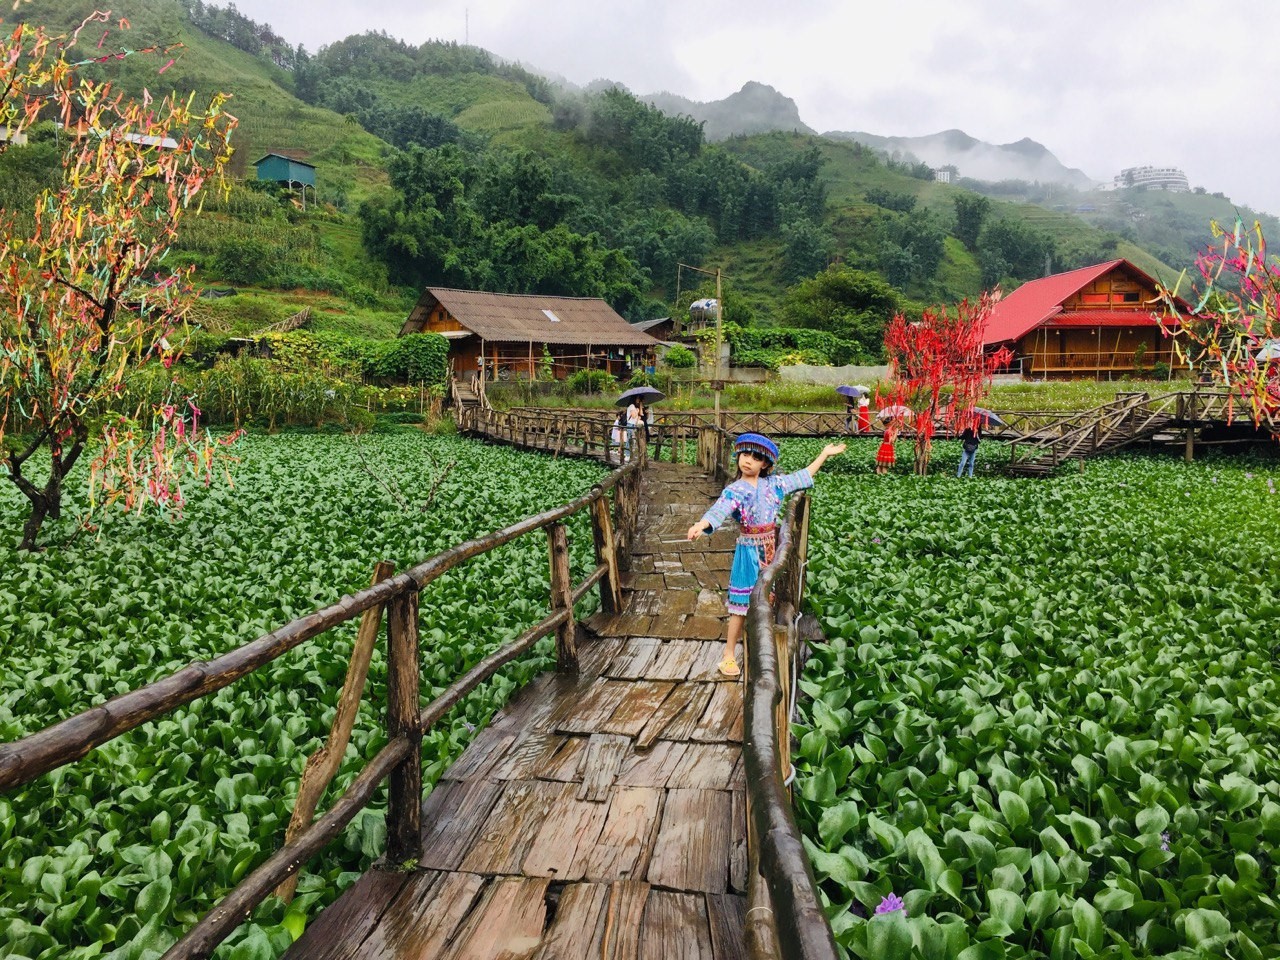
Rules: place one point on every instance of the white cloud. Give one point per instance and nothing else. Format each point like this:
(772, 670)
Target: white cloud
(1101, 83)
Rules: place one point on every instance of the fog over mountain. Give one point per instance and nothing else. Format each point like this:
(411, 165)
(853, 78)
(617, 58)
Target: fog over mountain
(756, 108)
(1023, 160)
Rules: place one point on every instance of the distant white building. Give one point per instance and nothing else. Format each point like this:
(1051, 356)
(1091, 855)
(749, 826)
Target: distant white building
(947, 174)
(1153, 178)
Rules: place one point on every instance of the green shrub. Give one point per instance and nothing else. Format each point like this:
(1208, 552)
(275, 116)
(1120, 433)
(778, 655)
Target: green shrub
(413, 358)
(592, 381)
(680, 357)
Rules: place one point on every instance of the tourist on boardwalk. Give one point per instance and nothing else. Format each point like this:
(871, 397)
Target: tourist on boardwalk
(755, 499)
(886, 455)
(635, 420)
(622, 436)
(864, 415)
(970, 437)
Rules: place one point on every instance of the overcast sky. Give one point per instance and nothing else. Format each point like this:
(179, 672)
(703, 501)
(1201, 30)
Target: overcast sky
(1103, 84)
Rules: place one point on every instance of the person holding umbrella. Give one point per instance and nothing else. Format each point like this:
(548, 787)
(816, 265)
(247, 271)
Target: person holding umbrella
(635, 415)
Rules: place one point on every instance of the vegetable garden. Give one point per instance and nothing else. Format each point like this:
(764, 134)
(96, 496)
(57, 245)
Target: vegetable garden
(1044, 723)
(118, 853)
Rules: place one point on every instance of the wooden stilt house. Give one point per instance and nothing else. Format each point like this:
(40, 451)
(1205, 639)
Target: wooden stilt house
(1102, 321)
(504, 336)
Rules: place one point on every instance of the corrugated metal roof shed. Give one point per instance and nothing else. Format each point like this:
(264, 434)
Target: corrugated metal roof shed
(525, 318)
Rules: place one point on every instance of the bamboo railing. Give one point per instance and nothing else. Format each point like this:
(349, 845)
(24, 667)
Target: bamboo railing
(400, 760)
(785, 918)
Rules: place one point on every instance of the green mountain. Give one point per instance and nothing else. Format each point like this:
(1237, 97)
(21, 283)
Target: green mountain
(440, 163)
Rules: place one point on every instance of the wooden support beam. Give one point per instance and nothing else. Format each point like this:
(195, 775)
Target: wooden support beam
(607, 554)
(323, 764)
(404, 807)
(562, 598)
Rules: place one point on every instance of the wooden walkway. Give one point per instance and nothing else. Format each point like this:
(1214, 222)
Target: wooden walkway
(601, 815)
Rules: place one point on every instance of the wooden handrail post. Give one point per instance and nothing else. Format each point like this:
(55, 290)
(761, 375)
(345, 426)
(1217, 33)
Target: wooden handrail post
(404, 807)
(562, 598)
(606, 553)
(323, 764)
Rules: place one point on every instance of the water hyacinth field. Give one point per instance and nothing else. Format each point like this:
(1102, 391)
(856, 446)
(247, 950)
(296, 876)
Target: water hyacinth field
(117, 854)
(1045, 720)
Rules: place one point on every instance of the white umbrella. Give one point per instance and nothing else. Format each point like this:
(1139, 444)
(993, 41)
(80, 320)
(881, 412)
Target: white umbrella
(895, 411)
(1270, 350)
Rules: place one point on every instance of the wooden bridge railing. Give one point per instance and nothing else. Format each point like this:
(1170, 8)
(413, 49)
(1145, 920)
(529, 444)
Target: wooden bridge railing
(590, 433)
(785, 918)
(400, 760)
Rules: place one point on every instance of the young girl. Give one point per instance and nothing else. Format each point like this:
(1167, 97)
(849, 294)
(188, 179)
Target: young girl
(886, 454)
(755, 497)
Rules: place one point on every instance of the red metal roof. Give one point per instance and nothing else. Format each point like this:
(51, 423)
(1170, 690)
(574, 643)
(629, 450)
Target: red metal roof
(1107, 318)
(1040, 301)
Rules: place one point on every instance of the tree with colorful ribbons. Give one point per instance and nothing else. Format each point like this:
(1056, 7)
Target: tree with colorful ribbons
(941, 353)
(1232, 332)
(84, 297)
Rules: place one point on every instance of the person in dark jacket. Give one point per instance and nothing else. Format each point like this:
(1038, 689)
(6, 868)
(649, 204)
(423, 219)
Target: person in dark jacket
(970, 437)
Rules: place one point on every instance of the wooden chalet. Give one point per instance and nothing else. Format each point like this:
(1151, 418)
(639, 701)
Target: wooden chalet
(505, 336)
(1102, 321)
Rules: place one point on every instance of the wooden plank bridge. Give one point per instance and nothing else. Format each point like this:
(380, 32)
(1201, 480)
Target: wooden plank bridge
(632, 804)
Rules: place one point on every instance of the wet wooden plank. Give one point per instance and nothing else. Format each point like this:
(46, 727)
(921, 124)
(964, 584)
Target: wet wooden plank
(682, 727)
(711, 603)
(738, 859)
(623, 848)
(594, 656)
(634, 658)
(579, 924)
(624, 918)
(677, 601)
(507, 923)
(505, 840)
(565, 840)
(707, 667)
(722, 721)
(529, 756)
(424, 917)
(645, 603)
(668, 625)
(727, 919)
(534, 701)
(705, 766)
(480, 755)
(452, 817)
(589, 714)
(680, 701)
(339, 930)
(674, 660)
(691, 852)
(703, 628)
(683, 582)
(600, 765)
(640, 701)
(653, 768)
(565, 765)
(675, 927)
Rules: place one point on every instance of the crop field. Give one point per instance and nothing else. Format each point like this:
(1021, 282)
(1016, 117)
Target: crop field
(118, 853)
(1044, 723)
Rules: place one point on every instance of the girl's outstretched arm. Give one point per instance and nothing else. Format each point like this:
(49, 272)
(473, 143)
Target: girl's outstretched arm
(830, 450)
(698, 528)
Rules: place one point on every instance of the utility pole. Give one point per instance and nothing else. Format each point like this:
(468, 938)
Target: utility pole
(719, 340)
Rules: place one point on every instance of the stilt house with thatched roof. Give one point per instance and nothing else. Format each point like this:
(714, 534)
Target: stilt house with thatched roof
(508, 336)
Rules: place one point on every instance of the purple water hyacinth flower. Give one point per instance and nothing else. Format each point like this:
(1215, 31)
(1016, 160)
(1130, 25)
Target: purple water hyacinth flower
(876, 540)
(471, 728)
(1164, 841)
(891, 904)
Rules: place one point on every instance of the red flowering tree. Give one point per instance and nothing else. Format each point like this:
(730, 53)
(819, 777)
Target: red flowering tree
(940, 371)
(83, 300)
(1233, 330)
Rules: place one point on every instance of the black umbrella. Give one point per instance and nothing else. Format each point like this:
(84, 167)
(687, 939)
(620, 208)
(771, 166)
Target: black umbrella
(639, 395)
